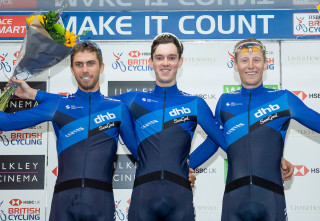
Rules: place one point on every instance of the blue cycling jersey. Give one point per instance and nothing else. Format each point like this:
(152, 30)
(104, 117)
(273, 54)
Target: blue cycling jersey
(165, 121)
(255, 123)
(87, 126)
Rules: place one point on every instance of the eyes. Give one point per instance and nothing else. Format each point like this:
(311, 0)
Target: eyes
(88, 64)
(170, 58)
(255, 60)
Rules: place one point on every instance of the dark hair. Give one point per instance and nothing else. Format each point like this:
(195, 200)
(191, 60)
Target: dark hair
(249, 40)
(87, 45)
(166, 38)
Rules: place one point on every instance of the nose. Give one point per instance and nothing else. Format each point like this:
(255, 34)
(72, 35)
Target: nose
(85, 68)
(250, 63)
(165, 61)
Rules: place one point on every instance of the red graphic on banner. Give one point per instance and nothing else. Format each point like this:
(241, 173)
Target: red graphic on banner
(134, 54)
(15, 202)
(302, 170)
(18, 4)
(12, 25)
(16, 54)
(300, 94)
(55, 171)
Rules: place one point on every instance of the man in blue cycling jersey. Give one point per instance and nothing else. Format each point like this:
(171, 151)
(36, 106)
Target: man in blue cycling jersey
(87, 138)
(255, 131)
(165, 121)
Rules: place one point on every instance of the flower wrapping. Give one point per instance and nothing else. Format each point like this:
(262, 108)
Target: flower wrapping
(45, 44)
(38, 52)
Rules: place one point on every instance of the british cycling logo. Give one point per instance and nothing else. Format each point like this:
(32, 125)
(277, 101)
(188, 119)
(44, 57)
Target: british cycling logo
(134, 63)
(118, 64)
(306, 24)
(230, 63)
(33, 139)
(300, 170)
(4, 140)
(5, 66)
(122, 210)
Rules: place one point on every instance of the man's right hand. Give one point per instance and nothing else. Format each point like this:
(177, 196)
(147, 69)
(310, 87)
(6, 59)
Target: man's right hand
(24, 91)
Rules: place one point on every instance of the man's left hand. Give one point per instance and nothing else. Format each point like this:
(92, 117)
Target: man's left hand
(192, 177)
(287, 170)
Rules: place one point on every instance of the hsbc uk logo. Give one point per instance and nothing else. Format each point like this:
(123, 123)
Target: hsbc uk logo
(15, 202)
(302, 95)
(300, 170)
(134, 54)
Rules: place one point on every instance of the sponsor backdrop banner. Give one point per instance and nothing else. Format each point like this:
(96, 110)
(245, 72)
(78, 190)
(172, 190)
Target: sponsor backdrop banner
(262, 24)
(23, 164)
(127, 5)
(300, 65)
(207, 72)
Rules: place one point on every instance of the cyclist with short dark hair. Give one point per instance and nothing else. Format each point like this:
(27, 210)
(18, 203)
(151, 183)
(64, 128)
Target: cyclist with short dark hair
(87, 125)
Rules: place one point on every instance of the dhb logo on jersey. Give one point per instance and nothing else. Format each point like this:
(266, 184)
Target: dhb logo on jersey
(267, 110)
(177, 111)
(101, 118)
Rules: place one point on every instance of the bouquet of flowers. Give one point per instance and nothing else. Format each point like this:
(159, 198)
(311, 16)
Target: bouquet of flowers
(45, 44)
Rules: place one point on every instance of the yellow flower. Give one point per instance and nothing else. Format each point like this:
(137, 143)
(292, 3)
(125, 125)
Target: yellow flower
(40, 17)
(71, 39)
(30, 18)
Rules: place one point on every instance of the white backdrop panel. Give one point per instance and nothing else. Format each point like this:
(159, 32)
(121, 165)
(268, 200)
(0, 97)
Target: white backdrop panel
(300, 73)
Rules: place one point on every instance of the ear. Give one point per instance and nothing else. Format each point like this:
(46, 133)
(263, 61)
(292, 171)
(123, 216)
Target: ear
(151, 62)
(72, 70)
(180, 62)
(101, 68)
(235, 66)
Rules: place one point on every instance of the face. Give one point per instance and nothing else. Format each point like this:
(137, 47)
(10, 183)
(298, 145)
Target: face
(250, 66)
(166, 63)
(87, 71)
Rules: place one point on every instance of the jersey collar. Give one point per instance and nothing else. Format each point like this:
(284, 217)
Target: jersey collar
(256, 90)
(170, 91)
(88, 95)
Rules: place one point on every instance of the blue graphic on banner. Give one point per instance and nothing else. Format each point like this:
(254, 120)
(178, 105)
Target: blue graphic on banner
(155, 5)
(266, 24)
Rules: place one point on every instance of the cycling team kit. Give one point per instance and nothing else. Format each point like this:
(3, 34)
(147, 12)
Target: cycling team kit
(87, 126)
(255, 122)
(165, 121)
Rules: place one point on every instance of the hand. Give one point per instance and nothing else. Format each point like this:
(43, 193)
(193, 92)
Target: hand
(286, 170)
(24, 91)
(192, 177)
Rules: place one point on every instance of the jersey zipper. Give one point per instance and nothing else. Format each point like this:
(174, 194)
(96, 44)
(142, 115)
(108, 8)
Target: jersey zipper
(249, 150)
(87, 145)
(163, 138)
